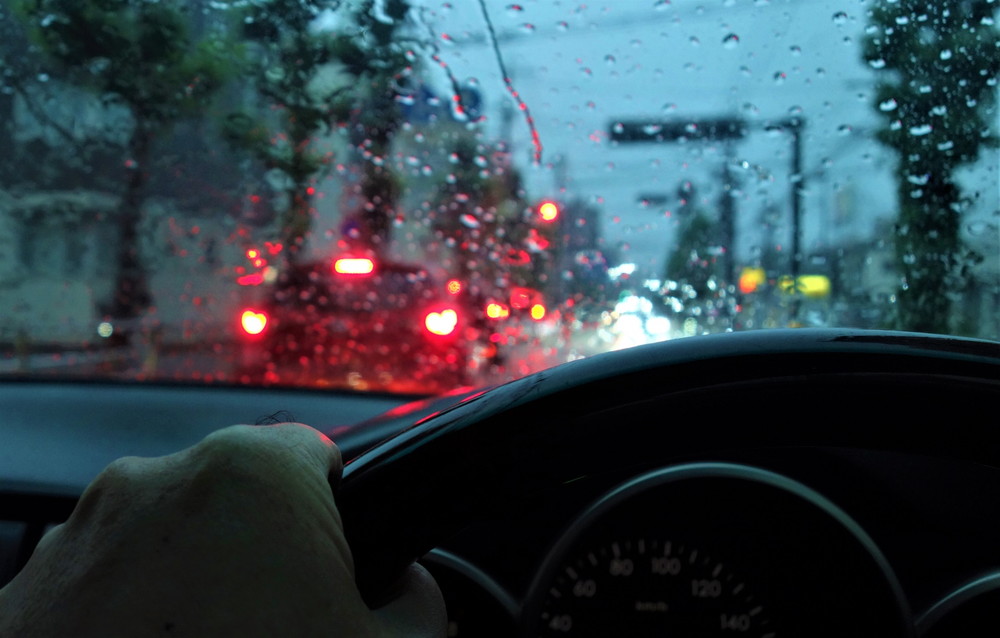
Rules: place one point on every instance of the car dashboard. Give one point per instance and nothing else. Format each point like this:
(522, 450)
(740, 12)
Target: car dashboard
(764, 484)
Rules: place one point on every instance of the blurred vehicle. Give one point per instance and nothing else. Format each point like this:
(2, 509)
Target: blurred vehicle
(354, 322)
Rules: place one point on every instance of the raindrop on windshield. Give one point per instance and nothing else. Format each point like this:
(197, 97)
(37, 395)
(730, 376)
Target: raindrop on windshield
(840, 18)
(888, 105)
(527, 27)
(923, 129)
(878, 63)
(731, 41)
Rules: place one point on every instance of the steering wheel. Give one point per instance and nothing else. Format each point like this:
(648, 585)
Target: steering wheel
(858, 389)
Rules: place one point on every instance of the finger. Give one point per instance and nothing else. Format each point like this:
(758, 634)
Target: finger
(416, 607)
(295, 440)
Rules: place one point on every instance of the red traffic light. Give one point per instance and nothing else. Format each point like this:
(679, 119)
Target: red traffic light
(548, 211)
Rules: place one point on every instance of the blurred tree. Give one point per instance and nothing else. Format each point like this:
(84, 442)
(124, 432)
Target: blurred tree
(314, 79)
(694, 259)
(137, 55)
(937, 64)
(480, 212)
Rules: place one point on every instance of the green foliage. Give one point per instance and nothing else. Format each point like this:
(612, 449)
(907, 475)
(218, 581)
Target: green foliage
(313, 80)
(938, 65)
(132, 52)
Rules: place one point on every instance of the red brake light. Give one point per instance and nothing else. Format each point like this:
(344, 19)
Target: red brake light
(354, 266)
(441, 323)
(253, 322)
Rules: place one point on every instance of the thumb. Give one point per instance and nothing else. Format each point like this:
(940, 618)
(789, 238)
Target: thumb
(416, 608)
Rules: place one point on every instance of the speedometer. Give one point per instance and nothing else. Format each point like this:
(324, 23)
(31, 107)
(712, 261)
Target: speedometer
(655, 587)
(715, 549)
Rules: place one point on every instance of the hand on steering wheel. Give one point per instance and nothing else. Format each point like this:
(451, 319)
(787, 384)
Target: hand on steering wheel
(238, 535)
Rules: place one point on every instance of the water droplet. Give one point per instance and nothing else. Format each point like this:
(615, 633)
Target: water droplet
(469, 221)
(946, 146)
(43, 77)
(669, 107)
(901, 20)
(925, 88)
(527, 27)
(780, 77)
(731, 41)
(946, 54)
(514, 8)
(923, 129)
(745, 70)
(48, 20)
(651, 129)
(919, 180)
(939, 110)
(840, 18)
(562, 25)
(877, 63)
(661, 5)
(610, 59)
(795, 110)
(888, 105)
(896, 125)
(844, 129)
(586, 71)
(618, 127)
(694, 41)
(795, 50)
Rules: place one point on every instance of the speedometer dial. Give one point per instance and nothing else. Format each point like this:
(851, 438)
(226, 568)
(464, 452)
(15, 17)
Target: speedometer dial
(714, 549)
(652, 587)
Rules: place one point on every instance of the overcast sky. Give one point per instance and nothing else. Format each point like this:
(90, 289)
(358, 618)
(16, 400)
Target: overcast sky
(580, 66)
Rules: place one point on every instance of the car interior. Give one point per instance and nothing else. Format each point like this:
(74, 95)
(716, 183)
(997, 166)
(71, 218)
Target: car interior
(789, 482)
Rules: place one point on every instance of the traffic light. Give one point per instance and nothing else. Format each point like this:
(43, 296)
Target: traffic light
(548, 211)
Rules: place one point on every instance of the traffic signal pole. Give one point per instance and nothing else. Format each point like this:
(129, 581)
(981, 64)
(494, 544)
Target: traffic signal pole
(729, 130)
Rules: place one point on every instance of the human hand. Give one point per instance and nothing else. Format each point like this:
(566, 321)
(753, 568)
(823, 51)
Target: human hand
(238, 535)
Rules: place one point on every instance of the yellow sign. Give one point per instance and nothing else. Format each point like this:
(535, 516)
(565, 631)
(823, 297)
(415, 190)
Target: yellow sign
(812, 286)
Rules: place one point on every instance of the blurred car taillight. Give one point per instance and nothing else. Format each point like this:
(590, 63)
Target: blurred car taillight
(441, 322)
(354, 266)
(253, 322)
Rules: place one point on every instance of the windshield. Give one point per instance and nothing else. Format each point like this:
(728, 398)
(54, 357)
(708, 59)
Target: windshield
(415, 196)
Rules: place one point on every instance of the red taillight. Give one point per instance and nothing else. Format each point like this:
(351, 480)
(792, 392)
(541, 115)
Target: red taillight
(253, 322)
(441, 323)
(354, 266)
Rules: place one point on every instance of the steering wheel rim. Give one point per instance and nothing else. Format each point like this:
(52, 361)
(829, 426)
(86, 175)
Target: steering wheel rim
(404, 496)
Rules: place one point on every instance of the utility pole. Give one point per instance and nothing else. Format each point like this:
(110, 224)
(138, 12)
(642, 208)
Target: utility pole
(729, 130)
